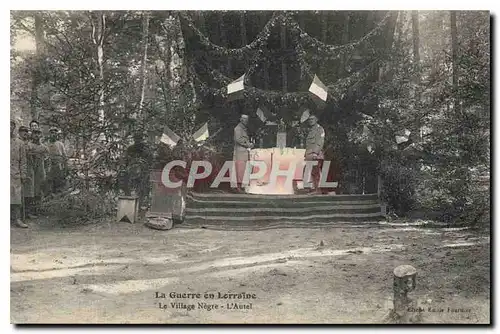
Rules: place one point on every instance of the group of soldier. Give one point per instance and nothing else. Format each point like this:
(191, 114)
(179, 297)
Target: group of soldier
(37, 169)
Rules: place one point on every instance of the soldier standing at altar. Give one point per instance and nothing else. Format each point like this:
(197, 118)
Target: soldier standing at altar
(242, 146)
(314, 150)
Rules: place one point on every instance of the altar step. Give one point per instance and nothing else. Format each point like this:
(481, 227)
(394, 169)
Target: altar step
(270, 210)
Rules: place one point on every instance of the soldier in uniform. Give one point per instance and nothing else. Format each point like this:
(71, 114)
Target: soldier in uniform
(242, 146)
(314, 149)
(28, 182)
(58, 162)
(34, 125)
(138, 164)
(39, 155)
(17, 176)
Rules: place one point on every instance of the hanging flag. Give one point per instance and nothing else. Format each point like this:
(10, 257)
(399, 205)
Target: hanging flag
(169, 137)
(261, 115)
(235, 89)
(202, 133)
(264, 113)
(318, 89)
(402, 136)
(305, 116)
(366, 131)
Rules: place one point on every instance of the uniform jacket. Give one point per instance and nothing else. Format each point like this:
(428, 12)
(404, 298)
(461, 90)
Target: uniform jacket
(241, 143)
(18, 164)
(18, 169)
(315, 140)
(28, 183)
(57, 153)
(39, 158)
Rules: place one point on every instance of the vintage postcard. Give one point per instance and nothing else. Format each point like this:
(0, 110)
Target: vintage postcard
(250, 167)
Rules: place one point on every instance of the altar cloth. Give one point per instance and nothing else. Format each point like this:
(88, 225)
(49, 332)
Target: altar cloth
(282, 157)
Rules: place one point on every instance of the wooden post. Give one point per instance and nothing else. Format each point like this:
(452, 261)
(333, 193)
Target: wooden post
(379, 185)
(405, 309)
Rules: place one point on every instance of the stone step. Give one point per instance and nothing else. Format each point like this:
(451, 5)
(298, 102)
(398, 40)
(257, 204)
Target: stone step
(247, 213)
(267, 217)
(242, 203)
(250, 198)
(283, 222)
(270, 208)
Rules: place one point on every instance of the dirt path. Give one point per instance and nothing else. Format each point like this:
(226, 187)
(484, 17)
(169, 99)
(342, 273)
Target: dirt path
(111, 273)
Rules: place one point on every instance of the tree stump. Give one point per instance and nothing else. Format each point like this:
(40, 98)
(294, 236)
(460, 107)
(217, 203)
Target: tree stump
(405, 309)
(405, 281)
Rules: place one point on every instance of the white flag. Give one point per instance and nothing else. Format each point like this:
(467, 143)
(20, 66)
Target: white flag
(305, 116)
(319, 89)
(236, 86)
(261, 115)
(169, 137)
(403, 136)
(202, 133)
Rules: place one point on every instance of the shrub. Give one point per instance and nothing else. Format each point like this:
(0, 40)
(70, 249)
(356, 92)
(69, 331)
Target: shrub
(79, 207)
(399, 187)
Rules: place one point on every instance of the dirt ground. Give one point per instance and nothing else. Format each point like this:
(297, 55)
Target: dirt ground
(114, 272)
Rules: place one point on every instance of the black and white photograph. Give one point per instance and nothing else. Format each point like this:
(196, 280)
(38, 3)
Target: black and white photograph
(250, 167)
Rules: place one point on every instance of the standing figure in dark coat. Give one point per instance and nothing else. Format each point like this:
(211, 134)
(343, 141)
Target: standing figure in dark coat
(17, 176)
(58, 162)
(314, 150)
(28, 182)
(39, 155)
(138, 162)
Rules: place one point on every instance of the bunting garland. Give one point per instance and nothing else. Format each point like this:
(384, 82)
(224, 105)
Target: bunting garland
(334, 51)
(238, 53)
(256, 51)
(336, 90)
(327, 51)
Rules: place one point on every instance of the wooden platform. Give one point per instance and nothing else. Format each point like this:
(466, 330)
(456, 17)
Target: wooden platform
(247, 209)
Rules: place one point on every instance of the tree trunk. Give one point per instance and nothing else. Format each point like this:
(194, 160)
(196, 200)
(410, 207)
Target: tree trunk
(324, 35)
(267, 65)
(345, 40)
(454, 57)
(324, 26)
(98, 29)
(164, 43)
(399, 27)
(416, 42)
(416, 59)
(284, 78)
(243, 28)
(224, 40)
(145, 40)
(36, 80)
(201, 18)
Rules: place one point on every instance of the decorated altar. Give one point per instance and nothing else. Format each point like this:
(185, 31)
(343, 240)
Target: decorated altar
(282, 157)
